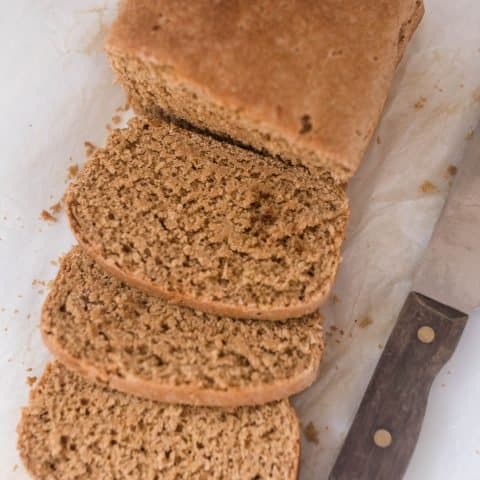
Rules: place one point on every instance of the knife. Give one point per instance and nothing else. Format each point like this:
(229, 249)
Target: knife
(445, 290)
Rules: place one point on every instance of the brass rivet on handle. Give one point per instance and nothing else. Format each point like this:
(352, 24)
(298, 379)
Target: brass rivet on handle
(426, 334)
(382, 438)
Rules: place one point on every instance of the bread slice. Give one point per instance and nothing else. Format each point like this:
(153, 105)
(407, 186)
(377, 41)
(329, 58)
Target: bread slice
(306, 80)
(209, 225)
(139, 344)
(73, 429)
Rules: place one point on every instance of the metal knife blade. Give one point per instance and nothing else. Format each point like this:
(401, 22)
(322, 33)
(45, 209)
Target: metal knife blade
(450, 269)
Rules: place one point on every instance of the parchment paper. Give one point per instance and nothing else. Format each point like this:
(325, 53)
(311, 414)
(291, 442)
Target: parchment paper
(57, 92)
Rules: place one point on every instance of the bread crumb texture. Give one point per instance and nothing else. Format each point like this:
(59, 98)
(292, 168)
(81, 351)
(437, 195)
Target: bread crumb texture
(73, 429)
(200, 221)
(122, 333)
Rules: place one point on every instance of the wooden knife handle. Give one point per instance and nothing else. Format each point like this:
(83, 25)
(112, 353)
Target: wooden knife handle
(386, 427)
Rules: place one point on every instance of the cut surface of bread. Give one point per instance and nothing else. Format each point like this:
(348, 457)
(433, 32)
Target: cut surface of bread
(73, 429)
(99, 327)
(306, 80)
(209, 225)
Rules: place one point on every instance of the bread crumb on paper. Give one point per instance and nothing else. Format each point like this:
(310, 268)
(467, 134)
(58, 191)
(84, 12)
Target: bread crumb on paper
(46, 216)
(72, 171)
(469, 135)
(420, 103)
(311, 433)
(49, 215)
(428, 187)
(116, 119)
(89, 147)
(56, 207)
(364, 322)
(31, 380)
(452, 170)
(335, 299)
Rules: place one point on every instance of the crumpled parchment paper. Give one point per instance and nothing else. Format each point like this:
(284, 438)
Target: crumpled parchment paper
(57, 92)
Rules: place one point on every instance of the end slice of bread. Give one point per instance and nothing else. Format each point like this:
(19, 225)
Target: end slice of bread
(304, 80)
(209, 225)
(74, 429)
(112, 333)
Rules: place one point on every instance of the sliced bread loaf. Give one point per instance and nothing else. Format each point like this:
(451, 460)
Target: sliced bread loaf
(304, 79)
(74, 429)
(207, 224)
(136, 343)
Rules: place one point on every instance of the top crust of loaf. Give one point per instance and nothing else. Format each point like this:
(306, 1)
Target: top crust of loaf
(305, 79)
(73, 429)
(140, 344)
(209, 225)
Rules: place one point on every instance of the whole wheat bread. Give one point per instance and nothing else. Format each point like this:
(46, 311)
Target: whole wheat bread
(99, 327)
(73, 429)
(209, 225)
(305, 79)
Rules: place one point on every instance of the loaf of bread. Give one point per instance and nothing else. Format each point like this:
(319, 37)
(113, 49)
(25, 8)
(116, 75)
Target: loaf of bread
(209, 225)
(101, 328)
(305, 79)
(73, 429)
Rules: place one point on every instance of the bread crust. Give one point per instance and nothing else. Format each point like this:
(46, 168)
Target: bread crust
(243, 52)
(409, 28)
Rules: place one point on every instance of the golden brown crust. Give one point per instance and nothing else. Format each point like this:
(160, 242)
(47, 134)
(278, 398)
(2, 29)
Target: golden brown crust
(315, 73)
(409, 27)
